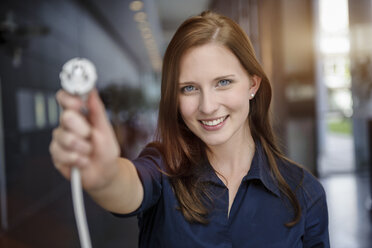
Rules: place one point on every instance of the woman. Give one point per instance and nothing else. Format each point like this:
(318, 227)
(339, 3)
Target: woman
(215, 176)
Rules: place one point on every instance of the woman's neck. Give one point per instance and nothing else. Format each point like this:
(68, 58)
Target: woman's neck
(233, 157)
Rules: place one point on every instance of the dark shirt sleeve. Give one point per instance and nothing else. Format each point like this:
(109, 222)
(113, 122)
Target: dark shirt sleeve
(316, 219)
(148, 165)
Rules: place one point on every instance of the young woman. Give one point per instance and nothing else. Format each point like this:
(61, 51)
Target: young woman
(214, 177)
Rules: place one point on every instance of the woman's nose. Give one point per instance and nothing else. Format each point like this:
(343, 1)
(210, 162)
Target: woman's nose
(208, 103)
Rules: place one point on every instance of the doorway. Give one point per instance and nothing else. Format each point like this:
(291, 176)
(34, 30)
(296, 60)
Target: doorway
(334, 99)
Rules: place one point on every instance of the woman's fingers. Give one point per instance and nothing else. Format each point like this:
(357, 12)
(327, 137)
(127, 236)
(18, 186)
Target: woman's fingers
(97, 112)
(76, 123)
(72, 142)
(96, 116)
(87, 142)
(68, 101)
(66, 158)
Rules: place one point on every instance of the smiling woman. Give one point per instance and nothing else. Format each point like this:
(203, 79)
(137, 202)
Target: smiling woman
(214, 177)
(219, 95)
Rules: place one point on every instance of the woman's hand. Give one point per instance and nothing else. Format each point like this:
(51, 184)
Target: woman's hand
(87, 142)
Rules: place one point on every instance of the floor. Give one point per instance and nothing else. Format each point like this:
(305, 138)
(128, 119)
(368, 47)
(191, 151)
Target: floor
(348, 194)
(348, 197)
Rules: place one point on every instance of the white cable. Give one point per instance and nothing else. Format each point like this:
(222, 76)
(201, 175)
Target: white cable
(78, 77)
(78, 202)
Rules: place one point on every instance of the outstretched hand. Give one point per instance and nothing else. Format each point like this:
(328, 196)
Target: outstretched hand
(85, 141)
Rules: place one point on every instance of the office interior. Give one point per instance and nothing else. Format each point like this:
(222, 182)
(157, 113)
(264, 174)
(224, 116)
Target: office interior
(317, 54)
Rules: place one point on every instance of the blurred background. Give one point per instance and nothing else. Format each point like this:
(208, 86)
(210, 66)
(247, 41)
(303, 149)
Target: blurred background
(318, 55)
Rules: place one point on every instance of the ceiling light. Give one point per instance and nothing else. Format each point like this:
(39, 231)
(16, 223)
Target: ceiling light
(136, 5)
(140, 16)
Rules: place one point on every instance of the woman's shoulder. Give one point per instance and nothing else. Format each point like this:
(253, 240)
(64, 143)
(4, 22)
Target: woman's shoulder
(153, 148)
(150, 154)
(302, 181)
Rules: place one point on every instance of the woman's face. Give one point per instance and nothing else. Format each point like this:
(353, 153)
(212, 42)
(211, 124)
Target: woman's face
(214, 94)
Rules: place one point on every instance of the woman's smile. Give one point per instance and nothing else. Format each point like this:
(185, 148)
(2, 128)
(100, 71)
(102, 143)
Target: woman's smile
(214, 124)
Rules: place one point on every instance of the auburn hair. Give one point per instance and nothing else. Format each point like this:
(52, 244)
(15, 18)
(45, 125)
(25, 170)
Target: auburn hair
(181, 149)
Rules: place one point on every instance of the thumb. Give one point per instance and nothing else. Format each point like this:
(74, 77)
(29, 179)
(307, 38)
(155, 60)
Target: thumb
(97, 112)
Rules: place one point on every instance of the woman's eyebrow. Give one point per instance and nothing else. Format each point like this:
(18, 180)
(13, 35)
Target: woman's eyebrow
(186, 82)
(223, 77)
(215, 79)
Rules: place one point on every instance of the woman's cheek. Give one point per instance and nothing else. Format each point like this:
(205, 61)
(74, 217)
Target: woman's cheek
(188, 106)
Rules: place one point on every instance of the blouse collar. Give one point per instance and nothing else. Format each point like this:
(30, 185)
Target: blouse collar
(260, 170)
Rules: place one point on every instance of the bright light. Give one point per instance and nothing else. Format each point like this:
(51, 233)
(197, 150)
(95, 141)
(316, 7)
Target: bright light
(148, 38)
(334, 44)
(334, 16)
(140, 17)
(136, 5)
(343, 99)
(334, 26)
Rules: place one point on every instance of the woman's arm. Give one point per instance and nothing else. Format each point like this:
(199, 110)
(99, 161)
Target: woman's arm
(124, 194)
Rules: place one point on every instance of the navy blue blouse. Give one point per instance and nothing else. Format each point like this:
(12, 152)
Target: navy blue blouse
(257, 217)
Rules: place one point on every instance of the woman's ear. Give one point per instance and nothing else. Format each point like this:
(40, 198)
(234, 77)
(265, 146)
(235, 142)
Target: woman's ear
(255, 85)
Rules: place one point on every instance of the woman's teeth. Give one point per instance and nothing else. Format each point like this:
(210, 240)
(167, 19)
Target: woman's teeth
(214, 122)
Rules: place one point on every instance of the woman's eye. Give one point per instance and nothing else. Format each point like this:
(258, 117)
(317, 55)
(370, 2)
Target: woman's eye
(188, 88)
(224, 82)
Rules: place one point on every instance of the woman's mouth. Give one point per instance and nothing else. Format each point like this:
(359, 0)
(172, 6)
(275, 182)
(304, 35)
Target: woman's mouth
(213, 124)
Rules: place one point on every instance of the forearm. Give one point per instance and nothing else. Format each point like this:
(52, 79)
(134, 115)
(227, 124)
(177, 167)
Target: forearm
(124, 194)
